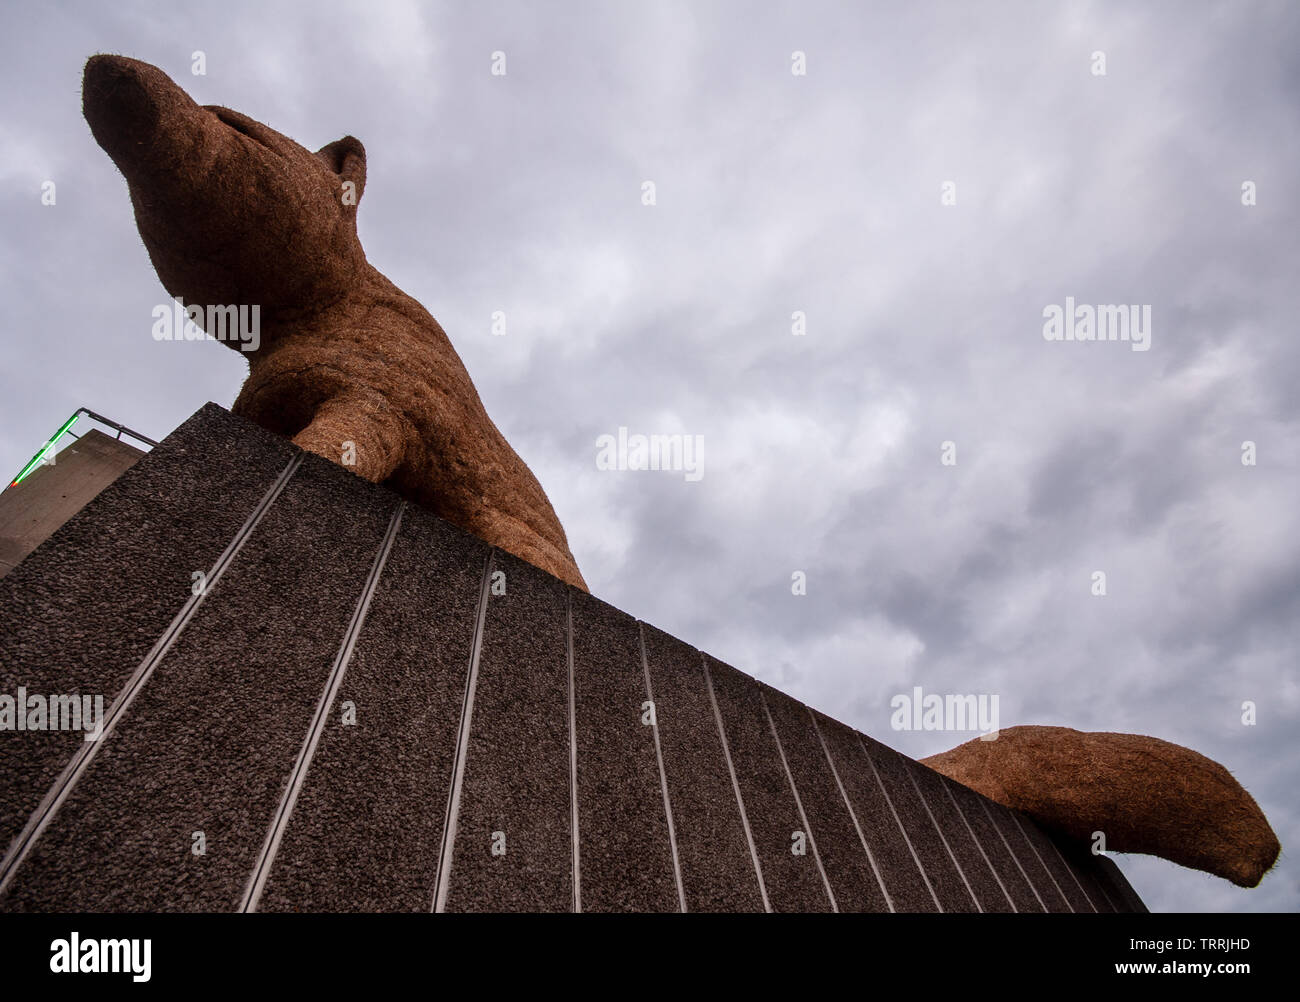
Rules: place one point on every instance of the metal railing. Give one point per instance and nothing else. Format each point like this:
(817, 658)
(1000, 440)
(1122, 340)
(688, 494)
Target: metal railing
(66, 429)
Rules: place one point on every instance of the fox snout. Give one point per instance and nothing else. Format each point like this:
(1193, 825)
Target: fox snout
(133, 109)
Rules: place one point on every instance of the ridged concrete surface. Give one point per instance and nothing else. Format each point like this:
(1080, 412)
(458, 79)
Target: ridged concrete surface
(373, 711)
(513, 850)
(80, 612)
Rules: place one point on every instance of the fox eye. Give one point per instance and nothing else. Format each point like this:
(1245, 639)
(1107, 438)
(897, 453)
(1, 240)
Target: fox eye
(239, 125)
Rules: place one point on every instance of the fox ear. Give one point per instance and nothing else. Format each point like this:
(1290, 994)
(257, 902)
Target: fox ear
(346, 157)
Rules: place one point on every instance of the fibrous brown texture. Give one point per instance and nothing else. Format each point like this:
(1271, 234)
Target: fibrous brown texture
(1144, 794)
(348, 366)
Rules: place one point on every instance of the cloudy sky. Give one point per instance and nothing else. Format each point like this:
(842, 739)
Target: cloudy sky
(778, 193)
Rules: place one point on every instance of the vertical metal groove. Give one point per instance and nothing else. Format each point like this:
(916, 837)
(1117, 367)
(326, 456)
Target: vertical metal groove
(1075, 876)
(735, 785)
(663, 776)
(907, 766)
(1012, 853)
(853, 816)
(899, 821)
(77, 765)
(280, 821)
(573, 759)
(798, 803)
(975, 838)
(1015, 816)
(451, 818)
(1102, 879)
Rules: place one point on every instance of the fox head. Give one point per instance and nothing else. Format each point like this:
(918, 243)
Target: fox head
(231, 211)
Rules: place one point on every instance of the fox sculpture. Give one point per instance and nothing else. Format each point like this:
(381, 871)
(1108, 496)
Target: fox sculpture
(354, 370)
(346, 364)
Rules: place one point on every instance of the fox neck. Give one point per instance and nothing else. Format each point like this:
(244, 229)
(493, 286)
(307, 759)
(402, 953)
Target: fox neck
(333, 320)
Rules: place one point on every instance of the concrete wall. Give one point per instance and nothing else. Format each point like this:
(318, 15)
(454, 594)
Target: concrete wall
(358, 707)
(31, 511)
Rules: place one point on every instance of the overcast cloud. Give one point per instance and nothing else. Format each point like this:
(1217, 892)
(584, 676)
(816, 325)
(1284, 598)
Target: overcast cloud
(778, 193)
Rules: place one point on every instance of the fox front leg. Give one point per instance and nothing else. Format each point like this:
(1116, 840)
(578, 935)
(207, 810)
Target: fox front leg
(365, 436)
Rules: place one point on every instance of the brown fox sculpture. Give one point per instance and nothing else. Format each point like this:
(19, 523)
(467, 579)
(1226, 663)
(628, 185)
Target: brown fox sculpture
(351, 368)
(346, 364)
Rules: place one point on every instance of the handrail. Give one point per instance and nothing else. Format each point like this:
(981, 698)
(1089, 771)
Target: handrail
(65, 429)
